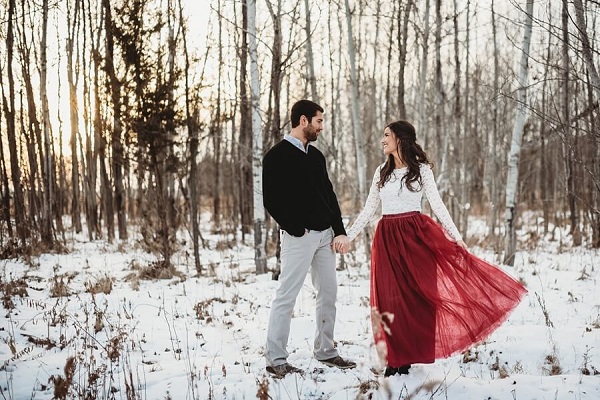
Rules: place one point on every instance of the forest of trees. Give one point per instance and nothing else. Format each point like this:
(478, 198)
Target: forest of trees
(134, 118)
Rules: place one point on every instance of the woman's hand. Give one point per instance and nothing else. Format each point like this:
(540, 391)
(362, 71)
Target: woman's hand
(340, 244)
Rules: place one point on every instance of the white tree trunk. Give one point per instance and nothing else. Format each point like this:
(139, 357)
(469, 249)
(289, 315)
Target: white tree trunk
(515, 145)
(586, 47)
(310, 61)
(490, 176)
(570, 136)
(74, 116)
(356, 123)
(465, 168)
(457, 202)
(422, 127)
(257, 140)
(48, 160)
(441, 146)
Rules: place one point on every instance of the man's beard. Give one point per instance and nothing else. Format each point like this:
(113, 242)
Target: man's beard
(310, 133)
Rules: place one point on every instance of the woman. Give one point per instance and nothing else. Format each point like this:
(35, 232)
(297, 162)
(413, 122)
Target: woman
(430, 297)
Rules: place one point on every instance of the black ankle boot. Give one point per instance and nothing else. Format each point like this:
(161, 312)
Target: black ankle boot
(389, 371)
(403, 370)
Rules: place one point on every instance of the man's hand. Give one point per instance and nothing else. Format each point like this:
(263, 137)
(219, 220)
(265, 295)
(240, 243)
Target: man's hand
(340, 244)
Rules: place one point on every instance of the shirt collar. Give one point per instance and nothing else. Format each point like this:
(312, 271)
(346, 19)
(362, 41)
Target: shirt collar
(296, 142)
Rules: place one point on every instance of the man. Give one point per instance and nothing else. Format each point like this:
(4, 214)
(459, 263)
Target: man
(298, 194)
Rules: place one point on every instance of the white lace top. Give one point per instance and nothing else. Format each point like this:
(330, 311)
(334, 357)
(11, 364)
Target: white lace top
(395, 198)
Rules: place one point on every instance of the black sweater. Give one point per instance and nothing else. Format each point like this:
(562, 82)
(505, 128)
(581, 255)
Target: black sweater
(297, 191)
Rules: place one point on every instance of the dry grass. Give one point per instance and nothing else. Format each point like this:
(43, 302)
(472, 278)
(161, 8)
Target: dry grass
(202, 308)
(587, 368)
(552, 365)
(500, 368)
(104, 284)
(156, 270)
(263, 389)
(59, 286)
(62, 385)
(470, 356)
(368, 386)
(10, 289)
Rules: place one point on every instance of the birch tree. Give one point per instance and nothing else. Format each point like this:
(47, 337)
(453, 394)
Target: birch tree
(457, 113)
(215, 130)
(9, 112)
(310, 61)
(173, 76)
(274, 112)
(403, 19)
(90, 159)
(356, 122)
(491, 166)
(118, 156)
(72, 30)
(257, 144)
(335, 73)
(545, 174)
(422, 126)
(566, 124)
(594, 84)
(515, 144)
(193, 144)
(441, 139)
(388, 81)
(586, 47)
(245, 147)
(33, 132)
(4, 187)
(465, 175)
(100, 142)
(46, 226)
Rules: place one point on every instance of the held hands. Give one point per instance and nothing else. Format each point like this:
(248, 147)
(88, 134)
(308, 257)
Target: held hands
(341, 244)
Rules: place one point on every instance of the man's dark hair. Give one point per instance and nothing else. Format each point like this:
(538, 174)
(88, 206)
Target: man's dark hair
(304, 107)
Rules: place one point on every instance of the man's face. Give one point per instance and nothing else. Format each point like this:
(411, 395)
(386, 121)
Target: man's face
(313, 127)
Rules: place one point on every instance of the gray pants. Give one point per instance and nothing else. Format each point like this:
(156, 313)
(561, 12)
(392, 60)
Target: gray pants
(298, 254)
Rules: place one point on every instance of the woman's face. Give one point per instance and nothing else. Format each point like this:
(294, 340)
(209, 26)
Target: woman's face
(389, 142)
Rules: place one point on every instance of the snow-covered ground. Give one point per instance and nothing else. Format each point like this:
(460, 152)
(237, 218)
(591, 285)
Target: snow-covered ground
(203, 337)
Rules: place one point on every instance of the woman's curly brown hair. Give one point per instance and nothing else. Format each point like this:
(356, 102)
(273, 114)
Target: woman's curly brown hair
(411, 153)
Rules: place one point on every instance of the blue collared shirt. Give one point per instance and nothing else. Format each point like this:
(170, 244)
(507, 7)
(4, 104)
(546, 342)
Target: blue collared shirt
(296, 142)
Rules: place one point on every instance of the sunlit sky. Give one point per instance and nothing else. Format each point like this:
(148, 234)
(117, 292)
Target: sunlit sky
(202, 20)
(198, 13)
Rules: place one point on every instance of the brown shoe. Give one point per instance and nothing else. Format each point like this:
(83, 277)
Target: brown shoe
(339, 362)
(279, 371)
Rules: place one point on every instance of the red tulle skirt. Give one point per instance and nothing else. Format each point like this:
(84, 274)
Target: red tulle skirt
(431, 298)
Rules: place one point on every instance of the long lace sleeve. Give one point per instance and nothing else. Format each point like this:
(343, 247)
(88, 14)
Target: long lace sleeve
(368, 210)
(436, 203)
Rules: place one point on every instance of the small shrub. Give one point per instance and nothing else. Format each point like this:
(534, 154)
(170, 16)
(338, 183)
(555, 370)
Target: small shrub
(552, 365)
(584, 275)
(103, 284)
(10, 289)
(58, 287)
(12, 249)
(596, 322)
(114, 346)
(158, 270)
(201, 308)
(62, 385)
(588, 369)
(263, 389)
(469, 356)
(518, 368)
